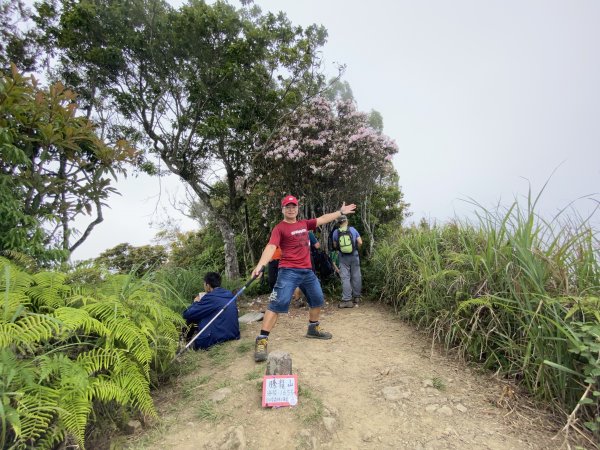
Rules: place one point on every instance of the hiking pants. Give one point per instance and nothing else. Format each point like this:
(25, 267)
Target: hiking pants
(288, 280)
(351, 277)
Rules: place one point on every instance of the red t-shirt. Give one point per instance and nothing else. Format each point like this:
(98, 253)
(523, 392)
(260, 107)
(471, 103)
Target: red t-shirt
(293, 240)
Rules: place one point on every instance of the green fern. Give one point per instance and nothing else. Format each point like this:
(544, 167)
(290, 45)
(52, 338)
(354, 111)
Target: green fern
(76, 347)
(126, 332)
(20, 393)
(49, 291)
(135, 383)
(13, 279)
(74, 392)
(20, 260)
(105, 390)
(79, 320)
(101, 359)
(27, 330)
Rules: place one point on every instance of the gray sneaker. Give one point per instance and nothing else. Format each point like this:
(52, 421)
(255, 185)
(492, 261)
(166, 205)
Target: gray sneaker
(356, 301)
(347, 304)
(260, 348)
(315, 332)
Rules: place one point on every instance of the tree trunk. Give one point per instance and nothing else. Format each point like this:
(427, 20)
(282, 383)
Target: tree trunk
(232, 269)
(248, 240)
(369, 224)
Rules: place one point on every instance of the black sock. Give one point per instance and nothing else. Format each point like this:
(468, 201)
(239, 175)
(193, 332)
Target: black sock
(313, 321)
(264, 333)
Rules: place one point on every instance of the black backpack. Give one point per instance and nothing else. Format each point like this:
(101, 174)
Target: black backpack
(323, 264)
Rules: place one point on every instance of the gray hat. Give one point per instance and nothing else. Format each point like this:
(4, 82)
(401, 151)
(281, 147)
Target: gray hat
(342, 219)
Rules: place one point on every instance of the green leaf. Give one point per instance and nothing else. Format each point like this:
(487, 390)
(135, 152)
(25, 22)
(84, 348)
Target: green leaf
(562, 368)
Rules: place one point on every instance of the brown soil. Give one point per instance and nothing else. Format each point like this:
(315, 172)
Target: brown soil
(377, 384)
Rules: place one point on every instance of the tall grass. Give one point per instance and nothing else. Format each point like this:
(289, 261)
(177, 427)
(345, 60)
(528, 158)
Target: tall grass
(512, 291)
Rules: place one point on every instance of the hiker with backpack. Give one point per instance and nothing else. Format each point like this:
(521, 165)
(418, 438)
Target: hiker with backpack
(295, 270)
(347, 241)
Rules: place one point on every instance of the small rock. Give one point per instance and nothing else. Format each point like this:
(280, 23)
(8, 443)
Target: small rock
(133, 426)
(449, 431)
(331, 410)
(431, 408)
(367, 437)
(462, 408)
(220, 395)
(251, 317)
(394, 393)
(432, 391)
(314, 443)
(445, 410)
(235, 439)
(279, 363)
(427, 383)
(329, 423)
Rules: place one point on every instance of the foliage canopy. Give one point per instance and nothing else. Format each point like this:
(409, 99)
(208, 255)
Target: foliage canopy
(54, 168)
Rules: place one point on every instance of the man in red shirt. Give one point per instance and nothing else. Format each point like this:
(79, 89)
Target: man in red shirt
(295, 270)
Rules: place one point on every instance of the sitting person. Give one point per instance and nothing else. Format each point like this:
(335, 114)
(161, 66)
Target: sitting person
(206, 306)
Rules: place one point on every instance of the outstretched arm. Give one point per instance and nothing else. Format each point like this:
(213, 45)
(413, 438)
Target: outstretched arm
(345, 209)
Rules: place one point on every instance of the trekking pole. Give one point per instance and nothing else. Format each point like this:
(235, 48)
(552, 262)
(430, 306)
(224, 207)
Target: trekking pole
(248, 283)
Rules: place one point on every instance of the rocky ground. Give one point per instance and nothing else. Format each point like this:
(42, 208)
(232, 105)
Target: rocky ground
(377, 384)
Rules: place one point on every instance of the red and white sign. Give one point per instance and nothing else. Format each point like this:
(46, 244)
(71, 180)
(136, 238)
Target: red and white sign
(280, 390)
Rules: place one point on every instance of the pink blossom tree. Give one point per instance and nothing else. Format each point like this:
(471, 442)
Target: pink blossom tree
(326, 153)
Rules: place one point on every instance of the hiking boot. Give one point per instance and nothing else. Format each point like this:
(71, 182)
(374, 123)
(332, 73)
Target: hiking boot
(260, 348)
(356, 301)
(346, 304)
(314, 331)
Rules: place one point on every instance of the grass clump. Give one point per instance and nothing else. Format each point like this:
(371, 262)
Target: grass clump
(311, 409)
(224, 383)
(258, 372)
(245, 347)
(514, 292)
(193, 385)
(218, 354)
(438, 383)
(206, 411)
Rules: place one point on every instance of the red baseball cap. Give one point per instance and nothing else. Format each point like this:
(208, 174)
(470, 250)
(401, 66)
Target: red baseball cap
(289, 199)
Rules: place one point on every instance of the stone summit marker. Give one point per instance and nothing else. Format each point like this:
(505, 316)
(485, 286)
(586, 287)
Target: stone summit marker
(280, 387)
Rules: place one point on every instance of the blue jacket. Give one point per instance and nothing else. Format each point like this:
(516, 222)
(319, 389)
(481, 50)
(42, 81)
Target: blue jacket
(226, 327)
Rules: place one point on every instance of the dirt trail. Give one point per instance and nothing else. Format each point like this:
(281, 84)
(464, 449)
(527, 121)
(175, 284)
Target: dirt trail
(376, 384)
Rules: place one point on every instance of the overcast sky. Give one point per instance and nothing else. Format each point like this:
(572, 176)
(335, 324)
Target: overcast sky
(483, 98)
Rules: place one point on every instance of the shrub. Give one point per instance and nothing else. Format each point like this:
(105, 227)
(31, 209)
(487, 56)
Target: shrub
(63, 348)
(514, 292)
